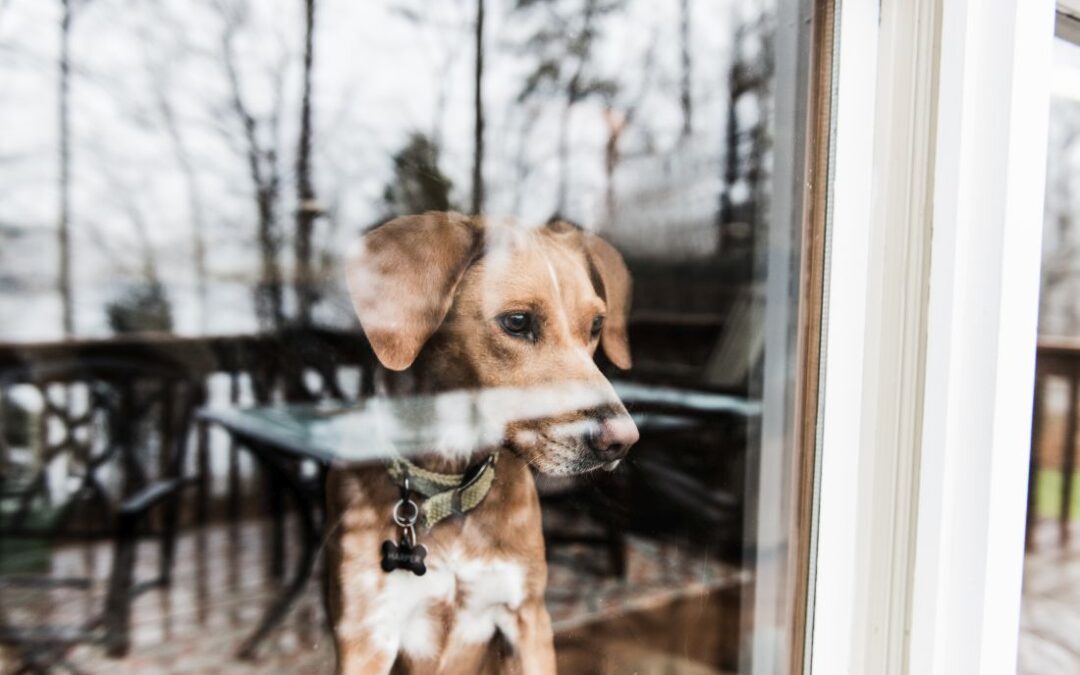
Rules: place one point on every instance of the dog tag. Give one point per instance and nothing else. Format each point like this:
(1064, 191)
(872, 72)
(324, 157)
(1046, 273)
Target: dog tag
(404, 556)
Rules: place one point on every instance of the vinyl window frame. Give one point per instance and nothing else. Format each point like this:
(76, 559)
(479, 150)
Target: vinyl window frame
(934, 208)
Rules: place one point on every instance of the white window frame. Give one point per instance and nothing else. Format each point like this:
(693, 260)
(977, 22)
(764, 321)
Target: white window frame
(935, 217)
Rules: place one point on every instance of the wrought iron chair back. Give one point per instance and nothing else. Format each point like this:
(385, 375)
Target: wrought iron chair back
(88, 447)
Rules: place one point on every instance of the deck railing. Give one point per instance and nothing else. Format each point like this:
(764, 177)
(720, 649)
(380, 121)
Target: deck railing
(1057, 359)
(290, 366)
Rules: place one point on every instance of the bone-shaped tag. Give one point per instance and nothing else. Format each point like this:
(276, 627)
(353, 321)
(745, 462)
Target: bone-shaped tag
(404, 556)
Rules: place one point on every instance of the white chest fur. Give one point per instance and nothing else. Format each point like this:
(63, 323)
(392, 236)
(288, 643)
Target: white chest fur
(483, 596)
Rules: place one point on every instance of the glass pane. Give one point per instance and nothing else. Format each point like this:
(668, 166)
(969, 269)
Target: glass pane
(256, 366)
(1049, 608)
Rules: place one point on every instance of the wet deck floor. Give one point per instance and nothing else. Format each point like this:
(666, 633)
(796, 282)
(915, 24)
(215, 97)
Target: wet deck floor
(1050, 611)
(222, 585)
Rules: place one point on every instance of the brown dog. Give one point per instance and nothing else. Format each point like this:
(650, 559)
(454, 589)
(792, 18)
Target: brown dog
(451, 304)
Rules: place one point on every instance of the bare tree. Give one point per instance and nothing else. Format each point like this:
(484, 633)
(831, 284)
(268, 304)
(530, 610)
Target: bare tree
(686, 94)
(1060, 268)
(159, 73)
(196, 208)
(565, 43)
(618, 116)
(146, 258)
(478, 108)
(265, 176)
(747, 142)
(442, 42)
(64, 175)
(307, 209)
(142, 303)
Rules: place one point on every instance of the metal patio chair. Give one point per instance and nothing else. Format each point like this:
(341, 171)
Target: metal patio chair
(102, 451)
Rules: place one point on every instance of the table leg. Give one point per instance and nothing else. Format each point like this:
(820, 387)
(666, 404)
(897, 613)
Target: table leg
(1068, 465)
(306, 503)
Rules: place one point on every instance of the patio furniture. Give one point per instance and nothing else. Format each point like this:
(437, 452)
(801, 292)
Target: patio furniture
(286, 439)
(97, 449)
(687, 476)
(569, 502)
(278, 439)
(293, 365)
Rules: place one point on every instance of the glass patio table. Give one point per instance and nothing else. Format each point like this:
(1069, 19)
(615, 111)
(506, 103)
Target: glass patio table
(330, 434)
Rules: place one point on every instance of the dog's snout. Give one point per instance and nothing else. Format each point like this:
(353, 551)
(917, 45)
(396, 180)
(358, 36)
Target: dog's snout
(612, 437)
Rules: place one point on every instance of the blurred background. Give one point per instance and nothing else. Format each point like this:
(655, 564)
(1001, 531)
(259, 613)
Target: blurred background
(1050, 616)
(197, 167)
(178, 182)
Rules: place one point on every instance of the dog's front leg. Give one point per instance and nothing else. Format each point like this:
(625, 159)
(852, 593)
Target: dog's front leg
(356, 657)
(535, 653)
(358, 650)
(356, 583)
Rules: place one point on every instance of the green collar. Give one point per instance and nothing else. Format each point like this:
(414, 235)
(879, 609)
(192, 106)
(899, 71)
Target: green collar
(446, 493)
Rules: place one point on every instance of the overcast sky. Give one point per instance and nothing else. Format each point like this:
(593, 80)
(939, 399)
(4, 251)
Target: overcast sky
(378, 77)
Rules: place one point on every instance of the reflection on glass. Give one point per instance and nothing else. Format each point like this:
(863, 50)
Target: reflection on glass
(182, 188)
(1054, 498)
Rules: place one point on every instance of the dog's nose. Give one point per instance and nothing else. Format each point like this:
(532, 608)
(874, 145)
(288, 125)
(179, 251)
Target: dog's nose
(612, 437)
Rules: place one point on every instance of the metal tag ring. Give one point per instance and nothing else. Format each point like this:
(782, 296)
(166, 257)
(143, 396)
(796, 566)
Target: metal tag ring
(409, 533)
(406, 520)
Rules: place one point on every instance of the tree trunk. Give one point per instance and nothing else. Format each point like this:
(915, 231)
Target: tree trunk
(574, 94)
(269, 304)
(64, 224)
(726, 214)
(478, 130)
(307, 208)
(564, 159)
(615, 122)
(686, 98)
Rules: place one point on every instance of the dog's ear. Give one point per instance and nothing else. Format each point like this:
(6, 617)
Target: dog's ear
(402, 276)
(609, 265)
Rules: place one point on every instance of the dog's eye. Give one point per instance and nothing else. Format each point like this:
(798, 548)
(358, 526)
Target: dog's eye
(597, 326)
(518, 324)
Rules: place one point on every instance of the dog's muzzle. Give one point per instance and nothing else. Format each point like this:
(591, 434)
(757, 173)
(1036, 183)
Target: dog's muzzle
(612, 438)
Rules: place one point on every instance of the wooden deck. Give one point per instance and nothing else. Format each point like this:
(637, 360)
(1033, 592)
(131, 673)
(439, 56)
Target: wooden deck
(222, 584)
(1050, 613)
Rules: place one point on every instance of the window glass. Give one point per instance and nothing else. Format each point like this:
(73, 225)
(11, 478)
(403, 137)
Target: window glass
(247, 337)
(1050, 591)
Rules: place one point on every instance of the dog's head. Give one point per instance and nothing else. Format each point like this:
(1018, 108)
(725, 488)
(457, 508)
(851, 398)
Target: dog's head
(461, 304)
